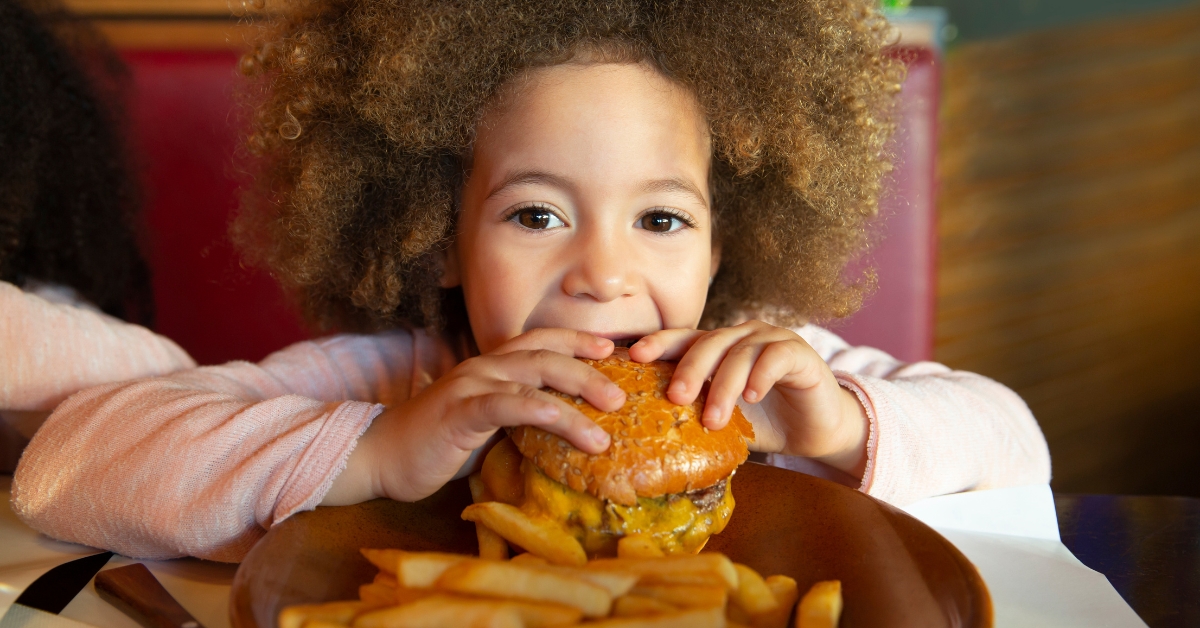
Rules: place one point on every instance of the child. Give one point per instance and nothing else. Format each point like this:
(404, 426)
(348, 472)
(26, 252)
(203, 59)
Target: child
(496, 188)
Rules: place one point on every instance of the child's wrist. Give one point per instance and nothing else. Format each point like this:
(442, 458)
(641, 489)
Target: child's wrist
(358, 481)
(851, 457)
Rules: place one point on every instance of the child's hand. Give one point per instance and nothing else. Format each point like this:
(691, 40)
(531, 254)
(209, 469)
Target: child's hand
(810, 414)
(411, 450)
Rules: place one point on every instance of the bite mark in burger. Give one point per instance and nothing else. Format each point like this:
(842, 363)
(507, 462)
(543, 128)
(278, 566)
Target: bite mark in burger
(665, 475)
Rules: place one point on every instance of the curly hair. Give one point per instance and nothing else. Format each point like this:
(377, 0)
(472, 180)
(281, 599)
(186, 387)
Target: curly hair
(367, 109)
(68, 207)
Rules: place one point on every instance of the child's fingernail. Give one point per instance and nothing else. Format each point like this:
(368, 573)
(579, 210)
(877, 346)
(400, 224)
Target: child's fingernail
(712, 414)
(677, 388)
(612, 391)
(751, 396)
(599, 436)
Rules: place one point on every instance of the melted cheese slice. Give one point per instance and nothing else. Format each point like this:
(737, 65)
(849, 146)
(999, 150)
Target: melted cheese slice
(674, 522)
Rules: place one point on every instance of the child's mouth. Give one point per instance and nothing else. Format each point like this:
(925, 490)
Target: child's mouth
(625, 343)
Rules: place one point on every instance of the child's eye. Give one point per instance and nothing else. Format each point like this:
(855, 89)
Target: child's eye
(536, 218)
(663, 222)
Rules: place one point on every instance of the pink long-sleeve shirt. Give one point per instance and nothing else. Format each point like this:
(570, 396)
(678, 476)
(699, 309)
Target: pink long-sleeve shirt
(52, 345)
(202, 462)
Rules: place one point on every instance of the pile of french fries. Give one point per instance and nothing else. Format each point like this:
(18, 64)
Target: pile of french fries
(431, 589)
(554, 584)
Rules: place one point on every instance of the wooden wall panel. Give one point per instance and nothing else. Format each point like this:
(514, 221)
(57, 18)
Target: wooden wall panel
(1070, 241)
(175, 24)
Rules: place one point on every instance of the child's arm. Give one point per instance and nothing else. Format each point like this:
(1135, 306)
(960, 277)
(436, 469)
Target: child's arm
(928, 430)
(936, 431)
(50, 350)
(202, 461)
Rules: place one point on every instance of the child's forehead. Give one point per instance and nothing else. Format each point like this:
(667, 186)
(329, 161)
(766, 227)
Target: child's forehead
(614, 124)
(537, 85)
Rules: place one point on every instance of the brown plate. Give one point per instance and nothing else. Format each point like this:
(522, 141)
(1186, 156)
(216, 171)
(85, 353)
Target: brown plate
(895, 570)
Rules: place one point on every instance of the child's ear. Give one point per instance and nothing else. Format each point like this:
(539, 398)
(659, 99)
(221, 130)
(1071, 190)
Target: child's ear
(450, 277)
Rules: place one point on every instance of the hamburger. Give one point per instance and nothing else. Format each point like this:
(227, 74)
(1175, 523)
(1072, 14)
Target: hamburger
(665, 476)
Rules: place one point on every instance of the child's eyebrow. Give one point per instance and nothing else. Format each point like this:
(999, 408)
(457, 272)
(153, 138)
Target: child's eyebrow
(532, 177)
(539, 177)
(675, 184)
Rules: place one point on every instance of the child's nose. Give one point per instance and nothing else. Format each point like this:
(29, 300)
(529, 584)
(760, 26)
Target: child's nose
(600, 271)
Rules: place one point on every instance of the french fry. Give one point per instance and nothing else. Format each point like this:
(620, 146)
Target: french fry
(638, 546)
(752, 594)
(543, 538)
(479, 490)
(492, 546)
(405, 595)
(704, 618)
(700, 569)
(536, 615)
(529, 559)
(737, 615)
(501, 473)
(685, 595)
(785, 592)
(377, 594)
(525, 582)
(385, 559)
(615, 582)
(640, 605)
(387, 579)
(438, 611)
(821, 607)
(340, 613)
(419, 570)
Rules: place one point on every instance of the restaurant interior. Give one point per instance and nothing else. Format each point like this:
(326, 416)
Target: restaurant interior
(1042, 226)
(1050, 227)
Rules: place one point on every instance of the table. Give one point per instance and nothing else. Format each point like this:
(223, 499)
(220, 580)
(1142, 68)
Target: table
(1010, 534)
(1147, 547)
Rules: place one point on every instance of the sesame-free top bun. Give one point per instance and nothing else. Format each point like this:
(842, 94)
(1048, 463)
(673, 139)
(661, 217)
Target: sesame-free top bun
(658, 448)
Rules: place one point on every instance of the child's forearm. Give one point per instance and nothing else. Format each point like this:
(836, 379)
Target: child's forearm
(52, 350)
(176, 466)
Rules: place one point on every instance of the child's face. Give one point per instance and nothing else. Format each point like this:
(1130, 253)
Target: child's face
(587, 207)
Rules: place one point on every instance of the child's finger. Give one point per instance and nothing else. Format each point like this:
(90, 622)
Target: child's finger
(780, 360)
(568, 342)
(729, 382)
(701, 362)
(545, 368)
(668, 344)
(518, 404)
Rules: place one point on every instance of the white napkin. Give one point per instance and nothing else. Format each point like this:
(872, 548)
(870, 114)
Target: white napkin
(21, 616)
(1012, 537)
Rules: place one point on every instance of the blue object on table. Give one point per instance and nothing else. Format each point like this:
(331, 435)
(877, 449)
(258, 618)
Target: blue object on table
(1148, 547)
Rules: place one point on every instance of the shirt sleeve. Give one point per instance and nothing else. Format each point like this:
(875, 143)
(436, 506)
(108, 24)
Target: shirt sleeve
(50, 350)
(934, 430)
(201, 462)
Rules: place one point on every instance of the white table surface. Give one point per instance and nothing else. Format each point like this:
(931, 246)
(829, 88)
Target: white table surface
(1010, 534)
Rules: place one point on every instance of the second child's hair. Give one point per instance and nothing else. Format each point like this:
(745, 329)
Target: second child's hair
(369, 108)
(69, 205)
